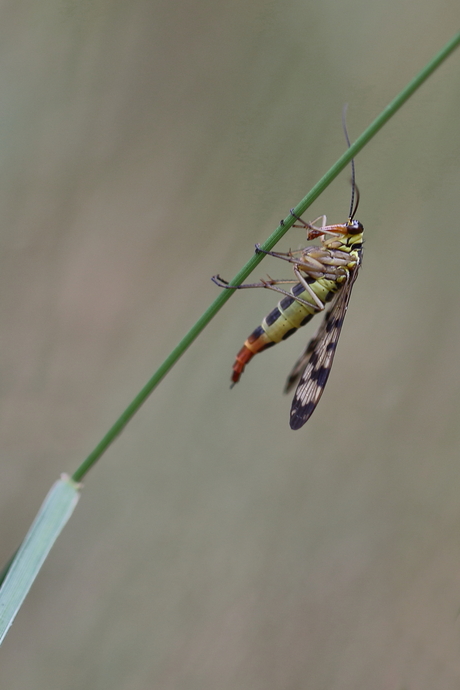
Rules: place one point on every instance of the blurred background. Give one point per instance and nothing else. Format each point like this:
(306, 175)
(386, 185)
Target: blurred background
(144, 147)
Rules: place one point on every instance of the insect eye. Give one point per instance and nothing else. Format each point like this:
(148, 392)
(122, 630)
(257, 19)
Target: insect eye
(354, 227)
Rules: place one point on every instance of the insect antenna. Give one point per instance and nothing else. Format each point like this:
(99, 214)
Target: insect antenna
(354, 187)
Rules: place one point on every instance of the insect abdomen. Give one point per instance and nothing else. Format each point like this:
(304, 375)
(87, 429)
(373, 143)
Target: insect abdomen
(282, 321)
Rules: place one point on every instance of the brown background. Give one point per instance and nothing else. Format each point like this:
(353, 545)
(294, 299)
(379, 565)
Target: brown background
(145, 146)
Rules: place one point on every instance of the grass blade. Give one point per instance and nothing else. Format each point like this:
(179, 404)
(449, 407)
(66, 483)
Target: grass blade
(49, 523)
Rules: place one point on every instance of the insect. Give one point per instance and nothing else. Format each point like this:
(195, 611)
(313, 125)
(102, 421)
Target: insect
(323, 273)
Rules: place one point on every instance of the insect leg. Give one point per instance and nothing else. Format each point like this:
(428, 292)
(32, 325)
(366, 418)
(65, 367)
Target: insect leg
(271, 284)
(312, 225)
(315, 231)
(286, 256)
(263, 284)
(308, 288)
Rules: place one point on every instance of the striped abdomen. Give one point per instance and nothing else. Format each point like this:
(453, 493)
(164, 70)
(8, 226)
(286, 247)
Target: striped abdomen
(286, 318)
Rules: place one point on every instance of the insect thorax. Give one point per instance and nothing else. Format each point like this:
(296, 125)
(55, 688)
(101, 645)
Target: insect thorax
(331, 261)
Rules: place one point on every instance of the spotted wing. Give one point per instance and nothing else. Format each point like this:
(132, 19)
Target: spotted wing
(314, 365)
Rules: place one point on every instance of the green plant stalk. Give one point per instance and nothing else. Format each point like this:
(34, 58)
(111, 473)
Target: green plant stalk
(301, 207)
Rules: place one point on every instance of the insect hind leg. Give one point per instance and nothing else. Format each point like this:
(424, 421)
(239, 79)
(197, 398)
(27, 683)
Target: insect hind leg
(301, 278)
(271, 284)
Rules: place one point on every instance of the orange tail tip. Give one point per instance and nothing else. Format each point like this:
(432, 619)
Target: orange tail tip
(242, 358)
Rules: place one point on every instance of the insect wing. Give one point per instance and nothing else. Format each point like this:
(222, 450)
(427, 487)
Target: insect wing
(316, 361)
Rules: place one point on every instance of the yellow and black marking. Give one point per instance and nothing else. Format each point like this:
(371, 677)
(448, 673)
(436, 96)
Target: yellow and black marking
(323, 273)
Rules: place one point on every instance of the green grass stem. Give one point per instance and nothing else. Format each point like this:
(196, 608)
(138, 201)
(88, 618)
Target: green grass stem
(301, 207)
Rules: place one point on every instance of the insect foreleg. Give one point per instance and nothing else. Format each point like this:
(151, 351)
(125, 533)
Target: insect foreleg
(310, 226)
(315, 231)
